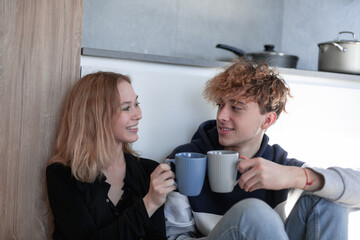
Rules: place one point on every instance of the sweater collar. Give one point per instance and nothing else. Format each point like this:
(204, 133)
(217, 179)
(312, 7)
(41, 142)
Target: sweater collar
(263, 146)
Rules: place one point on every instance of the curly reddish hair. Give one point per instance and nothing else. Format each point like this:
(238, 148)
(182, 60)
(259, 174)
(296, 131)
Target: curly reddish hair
(244, 79)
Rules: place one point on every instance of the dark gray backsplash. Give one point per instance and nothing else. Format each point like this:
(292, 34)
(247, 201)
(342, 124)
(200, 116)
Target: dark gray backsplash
(192, 28)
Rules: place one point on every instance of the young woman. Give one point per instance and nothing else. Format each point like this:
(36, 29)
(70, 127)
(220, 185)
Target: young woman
(98, 187)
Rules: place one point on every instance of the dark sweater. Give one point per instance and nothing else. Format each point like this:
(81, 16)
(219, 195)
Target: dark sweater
(83, 211)
(206, 139)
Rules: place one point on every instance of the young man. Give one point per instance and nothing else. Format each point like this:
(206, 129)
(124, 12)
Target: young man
(250, 97)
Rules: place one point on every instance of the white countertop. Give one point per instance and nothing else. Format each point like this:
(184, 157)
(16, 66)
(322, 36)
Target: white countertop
(347, 80)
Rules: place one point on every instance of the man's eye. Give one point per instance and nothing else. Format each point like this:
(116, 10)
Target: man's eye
(237, 108)
(220, 105)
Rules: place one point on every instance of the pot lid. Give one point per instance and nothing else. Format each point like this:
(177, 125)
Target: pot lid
(269, 51)
(339, 41)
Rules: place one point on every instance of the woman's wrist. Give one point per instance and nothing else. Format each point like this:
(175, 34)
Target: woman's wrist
(150, 206)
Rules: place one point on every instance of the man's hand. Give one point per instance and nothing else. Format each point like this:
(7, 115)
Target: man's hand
(259, 173)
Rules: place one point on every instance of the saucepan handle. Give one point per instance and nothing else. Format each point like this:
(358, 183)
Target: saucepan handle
(235, 50)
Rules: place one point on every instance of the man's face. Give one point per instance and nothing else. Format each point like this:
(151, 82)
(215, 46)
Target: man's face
(240, 124)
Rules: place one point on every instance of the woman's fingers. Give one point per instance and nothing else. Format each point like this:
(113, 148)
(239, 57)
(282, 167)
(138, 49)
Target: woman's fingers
(162, 179)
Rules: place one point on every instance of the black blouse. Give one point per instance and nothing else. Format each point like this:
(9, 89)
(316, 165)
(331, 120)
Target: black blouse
(83, 210)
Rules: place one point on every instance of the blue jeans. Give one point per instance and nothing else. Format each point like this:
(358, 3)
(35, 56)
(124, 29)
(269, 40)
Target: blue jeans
(311, 218)
(316, 218)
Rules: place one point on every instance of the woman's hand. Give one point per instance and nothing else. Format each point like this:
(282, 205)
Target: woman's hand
(161, 183)
(259, 173)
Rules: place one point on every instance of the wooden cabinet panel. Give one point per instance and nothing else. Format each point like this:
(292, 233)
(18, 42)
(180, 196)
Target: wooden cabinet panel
(40, 44)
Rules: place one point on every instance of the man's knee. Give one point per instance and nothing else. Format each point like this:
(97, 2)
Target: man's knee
(323, 205)
(249, 205)
(253, 210)
(319, 201)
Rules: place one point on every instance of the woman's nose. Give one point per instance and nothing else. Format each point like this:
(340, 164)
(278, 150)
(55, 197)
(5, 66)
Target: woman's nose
(138, 113)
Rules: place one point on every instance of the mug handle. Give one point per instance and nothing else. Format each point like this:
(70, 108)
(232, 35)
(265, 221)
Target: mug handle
(237, 180)
(173, 162)
(170, 160)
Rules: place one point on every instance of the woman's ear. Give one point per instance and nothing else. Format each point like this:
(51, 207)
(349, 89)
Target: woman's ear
(270, 119)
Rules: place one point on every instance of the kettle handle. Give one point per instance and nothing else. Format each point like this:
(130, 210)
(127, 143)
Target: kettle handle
(235, 50)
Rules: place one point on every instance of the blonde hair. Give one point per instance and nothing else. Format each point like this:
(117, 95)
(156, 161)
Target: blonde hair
(256, 82)
(85, 140)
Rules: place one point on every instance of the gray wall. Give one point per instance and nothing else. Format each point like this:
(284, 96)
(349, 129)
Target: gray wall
(189, 28)
(308, 22)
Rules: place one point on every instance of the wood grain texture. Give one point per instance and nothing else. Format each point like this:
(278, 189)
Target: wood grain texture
(40, 42)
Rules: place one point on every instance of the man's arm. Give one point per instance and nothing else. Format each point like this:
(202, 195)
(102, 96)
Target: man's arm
(341, 185)
(336, 184)
(259, 173)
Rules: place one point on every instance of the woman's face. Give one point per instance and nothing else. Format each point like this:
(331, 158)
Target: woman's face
(127, 115)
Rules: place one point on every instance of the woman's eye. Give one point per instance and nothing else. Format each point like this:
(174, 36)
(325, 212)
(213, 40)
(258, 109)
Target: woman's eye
(137, 104)
(126, 109)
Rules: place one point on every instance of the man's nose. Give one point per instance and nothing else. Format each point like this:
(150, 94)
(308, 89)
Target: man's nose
(223, 114)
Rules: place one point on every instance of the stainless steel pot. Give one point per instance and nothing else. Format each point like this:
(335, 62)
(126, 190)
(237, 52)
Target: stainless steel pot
(342, 56)
(271, 57)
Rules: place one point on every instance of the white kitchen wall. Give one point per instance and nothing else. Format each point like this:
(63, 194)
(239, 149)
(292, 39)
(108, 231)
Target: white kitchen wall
(321, 125)
(187, 28)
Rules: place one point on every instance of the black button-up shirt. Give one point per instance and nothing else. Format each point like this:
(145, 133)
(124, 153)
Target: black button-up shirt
(83, 211)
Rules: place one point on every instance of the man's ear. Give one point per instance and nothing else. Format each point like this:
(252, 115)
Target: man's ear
(270, 119)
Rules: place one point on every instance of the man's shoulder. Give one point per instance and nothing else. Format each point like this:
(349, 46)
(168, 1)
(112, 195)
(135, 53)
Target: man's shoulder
(202, 141)
(280, 156)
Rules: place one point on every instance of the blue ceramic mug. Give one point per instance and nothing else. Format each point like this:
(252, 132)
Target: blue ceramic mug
(190, 169)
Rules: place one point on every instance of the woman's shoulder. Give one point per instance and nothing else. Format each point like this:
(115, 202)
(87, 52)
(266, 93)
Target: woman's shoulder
(59, 179)
(58, 169)
(58, 172)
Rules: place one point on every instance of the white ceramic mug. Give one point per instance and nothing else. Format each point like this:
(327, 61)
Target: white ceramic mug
(222, 170)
